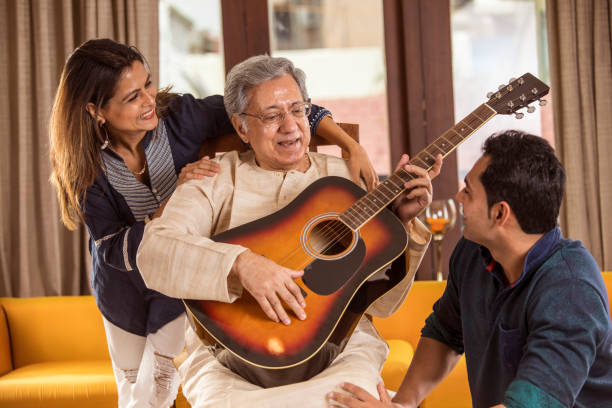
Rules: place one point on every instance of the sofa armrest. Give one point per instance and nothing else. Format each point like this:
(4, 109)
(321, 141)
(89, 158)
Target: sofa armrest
(6, 360)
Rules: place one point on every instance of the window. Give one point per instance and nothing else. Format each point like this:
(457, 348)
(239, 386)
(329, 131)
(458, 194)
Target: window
(191, 46)
(493, 41)
(343, 59)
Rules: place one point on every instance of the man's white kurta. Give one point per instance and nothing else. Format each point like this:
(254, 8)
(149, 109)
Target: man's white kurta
(177, 257)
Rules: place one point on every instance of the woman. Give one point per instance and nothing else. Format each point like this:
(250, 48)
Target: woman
(118, 150)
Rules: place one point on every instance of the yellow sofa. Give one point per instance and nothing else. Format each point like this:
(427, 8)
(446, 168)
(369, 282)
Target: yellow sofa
(403, 330)
(53, 351)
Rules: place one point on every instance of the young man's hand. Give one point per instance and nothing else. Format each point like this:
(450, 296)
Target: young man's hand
(360, 398)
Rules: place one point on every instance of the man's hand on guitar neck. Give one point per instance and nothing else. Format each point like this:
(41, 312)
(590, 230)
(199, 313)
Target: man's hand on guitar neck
(271, 285)
(418, 193)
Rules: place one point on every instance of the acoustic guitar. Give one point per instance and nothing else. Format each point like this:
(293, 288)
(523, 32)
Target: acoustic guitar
(342, 237)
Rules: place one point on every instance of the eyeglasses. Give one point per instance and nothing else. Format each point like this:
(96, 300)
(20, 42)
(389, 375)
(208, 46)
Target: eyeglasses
(274, 117)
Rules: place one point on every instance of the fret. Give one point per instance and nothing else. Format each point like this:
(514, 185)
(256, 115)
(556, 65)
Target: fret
(486, 112)
(458, 135)
(355, 214)
(414, 162)
(377, 193)
(367, 201)
(429, 161)
(430, 155)
(462, 131)
(438, 147)
(446, 142)
(368, 198)
(463, 121)
(391, 181)
(404, 175)
(399, 180)
(474, 122)
(476, 114)
(352, 224)
(360, 210)
(365, 211)
(387, 196)
(395, 189)
(373, 200)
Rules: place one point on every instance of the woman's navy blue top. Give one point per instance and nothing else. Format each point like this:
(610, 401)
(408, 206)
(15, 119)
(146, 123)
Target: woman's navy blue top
(544, 341)
(117, 204)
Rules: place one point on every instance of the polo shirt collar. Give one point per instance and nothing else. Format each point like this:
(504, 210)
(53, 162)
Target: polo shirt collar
(535, 257)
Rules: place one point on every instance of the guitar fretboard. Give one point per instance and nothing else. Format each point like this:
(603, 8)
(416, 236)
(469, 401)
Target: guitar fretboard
(372, 203)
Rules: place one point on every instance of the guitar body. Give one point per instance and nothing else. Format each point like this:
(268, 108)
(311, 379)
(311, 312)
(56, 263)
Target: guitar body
(337, 262)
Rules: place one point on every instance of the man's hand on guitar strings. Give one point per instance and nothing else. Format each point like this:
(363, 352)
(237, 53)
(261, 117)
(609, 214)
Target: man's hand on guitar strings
(271, 285)
(419, 192)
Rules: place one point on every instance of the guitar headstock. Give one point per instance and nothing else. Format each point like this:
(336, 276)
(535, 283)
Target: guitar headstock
(518, 94)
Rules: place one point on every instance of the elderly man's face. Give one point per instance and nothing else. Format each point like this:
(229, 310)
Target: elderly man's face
(280, 146)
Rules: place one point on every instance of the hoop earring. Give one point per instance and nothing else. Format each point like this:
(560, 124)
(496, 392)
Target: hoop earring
(107, 140)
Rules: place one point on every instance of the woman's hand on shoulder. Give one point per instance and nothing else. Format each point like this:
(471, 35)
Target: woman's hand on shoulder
(198, 170)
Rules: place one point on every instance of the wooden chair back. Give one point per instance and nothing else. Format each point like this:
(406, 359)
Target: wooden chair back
(231, 142)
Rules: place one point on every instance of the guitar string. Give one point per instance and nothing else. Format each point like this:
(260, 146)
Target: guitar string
(342, 232)
(471, 119)
(336, 231)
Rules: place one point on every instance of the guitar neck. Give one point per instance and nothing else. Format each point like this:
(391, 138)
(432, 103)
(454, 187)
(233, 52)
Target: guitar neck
(372, 203)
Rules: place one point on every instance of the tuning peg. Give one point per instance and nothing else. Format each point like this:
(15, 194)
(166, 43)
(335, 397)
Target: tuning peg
(490, 94)
(521, 81)
(502, 86)
(519, 115)
(530, 109)
(512, 80)
(542, 102)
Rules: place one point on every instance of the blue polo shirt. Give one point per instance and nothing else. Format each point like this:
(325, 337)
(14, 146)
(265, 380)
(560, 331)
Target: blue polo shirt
(544, 341)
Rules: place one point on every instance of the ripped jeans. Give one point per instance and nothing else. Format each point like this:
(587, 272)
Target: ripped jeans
(143, 366)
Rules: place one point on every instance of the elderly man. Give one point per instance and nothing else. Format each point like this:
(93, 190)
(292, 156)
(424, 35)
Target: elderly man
(266, 99)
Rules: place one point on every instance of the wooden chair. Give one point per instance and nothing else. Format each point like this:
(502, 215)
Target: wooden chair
(231, 142)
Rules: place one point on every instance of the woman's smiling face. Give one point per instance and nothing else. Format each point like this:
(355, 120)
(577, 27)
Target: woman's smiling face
(131, 110)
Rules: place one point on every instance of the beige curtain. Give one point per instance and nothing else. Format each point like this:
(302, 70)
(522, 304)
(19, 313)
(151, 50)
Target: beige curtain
(38, 255)
(580, 47)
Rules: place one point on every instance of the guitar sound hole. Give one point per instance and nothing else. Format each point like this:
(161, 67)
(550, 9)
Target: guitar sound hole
(330, 237)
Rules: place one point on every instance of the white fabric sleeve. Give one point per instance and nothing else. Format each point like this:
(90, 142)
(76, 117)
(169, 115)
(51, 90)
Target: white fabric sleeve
(176, 256)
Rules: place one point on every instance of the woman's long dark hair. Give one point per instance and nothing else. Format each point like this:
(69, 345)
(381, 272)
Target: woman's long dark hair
(90, 75)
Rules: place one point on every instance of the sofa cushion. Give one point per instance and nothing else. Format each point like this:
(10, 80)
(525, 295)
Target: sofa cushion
(55, 328)
(398, 361)
(60, 384)
(6, 361)
(406, 323)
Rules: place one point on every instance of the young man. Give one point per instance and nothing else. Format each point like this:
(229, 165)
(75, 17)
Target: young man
(528, 307)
